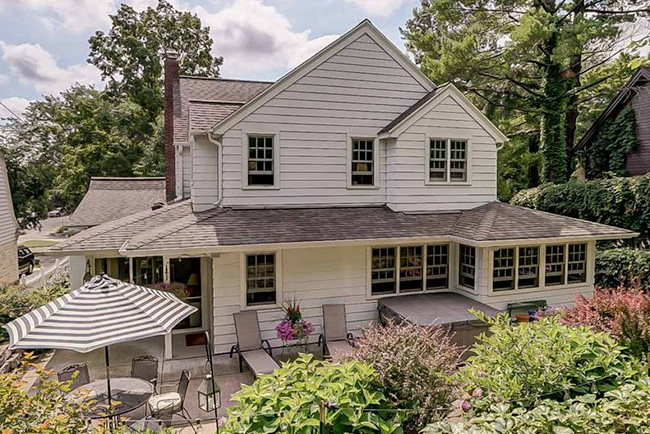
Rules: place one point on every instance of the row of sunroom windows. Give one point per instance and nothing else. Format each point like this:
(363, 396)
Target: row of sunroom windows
(404, 269)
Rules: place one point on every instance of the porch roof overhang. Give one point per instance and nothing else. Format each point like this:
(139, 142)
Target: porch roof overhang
(175, 230)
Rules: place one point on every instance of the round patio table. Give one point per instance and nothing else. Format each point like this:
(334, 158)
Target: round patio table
(127, 394)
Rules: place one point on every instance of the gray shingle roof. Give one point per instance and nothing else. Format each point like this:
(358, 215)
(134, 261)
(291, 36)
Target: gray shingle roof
(206, 101)
(176, 227)
(113, 198)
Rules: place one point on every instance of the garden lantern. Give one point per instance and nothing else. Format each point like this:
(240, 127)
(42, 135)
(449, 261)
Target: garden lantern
(209, 394)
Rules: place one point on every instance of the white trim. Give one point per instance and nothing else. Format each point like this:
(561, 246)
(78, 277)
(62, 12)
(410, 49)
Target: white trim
(255, 132)
(278, 279)
(448, 182)
(363, 28)
(375, 162)
(449, 90)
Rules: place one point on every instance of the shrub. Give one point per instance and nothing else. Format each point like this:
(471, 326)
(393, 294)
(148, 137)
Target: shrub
(287, 401)
(415, 366)
(541, 359)
(623, 312)
(624, 410)
(16, 301)
(625, 266)
(623, 202)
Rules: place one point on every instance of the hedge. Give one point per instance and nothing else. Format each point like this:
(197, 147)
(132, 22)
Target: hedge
(621, 266)
(619, 201)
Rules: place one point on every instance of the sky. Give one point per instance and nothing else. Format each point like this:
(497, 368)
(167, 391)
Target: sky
(44, 43)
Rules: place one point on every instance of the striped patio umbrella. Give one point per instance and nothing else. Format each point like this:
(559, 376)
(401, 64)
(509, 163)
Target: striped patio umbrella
(103, 312)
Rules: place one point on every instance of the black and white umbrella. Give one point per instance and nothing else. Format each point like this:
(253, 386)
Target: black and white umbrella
(103, 312)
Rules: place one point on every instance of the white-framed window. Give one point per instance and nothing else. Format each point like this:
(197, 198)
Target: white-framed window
(503, 272)
(577, 263)
(261, 160)
(447, 160)
(467, 266)
(528, 272)
(554, 271)
(362, 162)
(261, 279)
(412, 268)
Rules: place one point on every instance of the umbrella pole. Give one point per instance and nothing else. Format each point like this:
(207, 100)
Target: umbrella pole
(108, 379)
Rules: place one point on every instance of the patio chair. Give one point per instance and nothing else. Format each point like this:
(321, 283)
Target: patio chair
(250, 348)
(166, 405)
(335, 337)
(77, 374)
(145, 368)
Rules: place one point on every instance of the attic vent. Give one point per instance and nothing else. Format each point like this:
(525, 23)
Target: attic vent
(157, 205)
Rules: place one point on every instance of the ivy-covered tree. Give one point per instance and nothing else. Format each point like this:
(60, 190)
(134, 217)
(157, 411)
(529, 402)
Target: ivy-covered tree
(529, 59)
(131, 54)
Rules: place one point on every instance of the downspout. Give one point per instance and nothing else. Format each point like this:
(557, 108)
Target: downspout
(219, 167)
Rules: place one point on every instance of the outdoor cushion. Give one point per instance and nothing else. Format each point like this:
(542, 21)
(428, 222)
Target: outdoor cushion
(338, 347)
(260, 362)
(167, 402)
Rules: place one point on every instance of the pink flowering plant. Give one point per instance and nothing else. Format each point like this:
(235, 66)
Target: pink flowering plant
(293, 326)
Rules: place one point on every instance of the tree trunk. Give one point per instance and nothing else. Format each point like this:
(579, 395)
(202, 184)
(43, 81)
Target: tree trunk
(573, 82)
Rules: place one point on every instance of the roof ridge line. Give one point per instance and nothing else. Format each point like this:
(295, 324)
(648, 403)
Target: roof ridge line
(240, 80)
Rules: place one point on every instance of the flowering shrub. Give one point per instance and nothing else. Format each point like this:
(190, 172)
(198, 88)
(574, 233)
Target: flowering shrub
(622, 312)
(293, 327)
(415, 365)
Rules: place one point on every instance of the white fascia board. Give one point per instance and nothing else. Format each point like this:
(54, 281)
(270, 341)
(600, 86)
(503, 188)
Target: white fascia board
(363, 28)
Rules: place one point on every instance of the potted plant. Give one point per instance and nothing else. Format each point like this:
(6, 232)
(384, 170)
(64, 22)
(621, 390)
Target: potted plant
(294, 327)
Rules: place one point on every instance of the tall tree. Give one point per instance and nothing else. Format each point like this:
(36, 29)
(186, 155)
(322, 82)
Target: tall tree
(529, 58)
(131, 55)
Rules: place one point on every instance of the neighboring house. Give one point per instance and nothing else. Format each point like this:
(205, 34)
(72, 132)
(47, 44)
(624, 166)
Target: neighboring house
(113, 198)
(351, 179)
(8, 230)
(636, 95)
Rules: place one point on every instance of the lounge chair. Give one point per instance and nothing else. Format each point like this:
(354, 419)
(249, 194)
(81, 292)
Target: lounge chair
(76, 374)
(250, 348)
(335, 338)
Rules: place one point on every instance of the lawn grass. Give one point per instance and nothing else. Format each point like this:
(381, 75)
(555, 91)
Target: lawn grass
(39, 243)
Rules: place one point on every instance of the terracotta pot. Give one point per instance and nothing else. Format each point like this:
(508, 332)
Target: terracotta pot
(522, 317)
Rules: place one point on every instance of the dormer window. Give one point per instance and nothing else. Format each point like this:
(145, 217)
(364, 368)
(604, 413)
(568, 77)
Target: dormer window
(261, 161)
(362, 162)
(447, 160)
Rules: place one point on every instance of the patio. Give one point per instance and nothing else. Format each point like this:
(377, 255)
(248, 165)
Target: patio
(226, 373)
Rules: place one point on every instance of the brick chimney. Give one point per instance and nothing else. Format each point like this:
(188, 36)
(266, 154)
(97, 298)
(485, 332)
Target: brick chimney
(172, 107)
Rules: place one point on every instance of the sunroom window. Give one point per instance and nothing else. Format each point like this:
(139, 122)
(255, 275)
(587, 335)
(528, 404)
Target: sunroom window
(410, 270)
(467, 266)
(363, 163)
(260, 279)
(528, 267)
(383, 271)
(260, 161)
(438, 266)
(503, 274)
(554, 265)
(577, 263)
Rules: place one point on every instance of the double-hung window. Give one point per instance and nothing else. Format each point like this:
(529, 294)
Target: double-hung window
(467, 266)
(409, 269)
(528, 273)
(261, 167)
(261, 279)
(503, 273)
(577, 263)
(447, 160)
(362, 172)
(554, 273)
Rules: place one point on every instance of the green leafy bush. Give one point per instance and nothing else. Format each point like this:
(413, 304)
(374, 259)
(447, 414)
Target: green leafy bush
(287, 401)
(615, 140)
(415, 365)
(623, 202)
(16, 301)
(625, 266)
(622, 312)
(623, 410)
(542, 360)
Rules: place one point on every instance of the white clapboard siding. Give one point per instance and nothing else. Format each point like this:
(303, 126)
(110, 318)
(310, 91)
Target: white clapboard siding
(407, 165)
(311, 277)
(204, 174)
(354, 93)
(7, 221)
(186, 157)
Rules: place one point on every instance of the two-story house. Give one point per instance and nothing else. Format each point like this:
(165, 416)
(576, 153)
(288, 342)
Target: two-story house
(350, 179)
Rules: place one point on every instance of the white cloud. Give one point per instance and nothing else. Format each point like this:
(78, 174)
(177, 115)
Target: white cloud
(36, 66)
(381, 8)
(3, 79)
(16, 106)
(253, 37)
